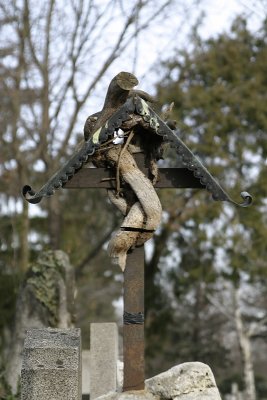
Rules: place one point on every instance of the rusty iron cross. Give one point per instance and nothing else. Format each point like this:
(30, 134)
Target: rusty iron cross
(133, 294)
(144, 134)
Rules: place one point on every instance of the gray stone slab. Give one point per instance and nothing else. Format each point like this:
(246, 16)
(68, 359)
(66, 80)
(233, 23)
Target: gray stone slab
(51, 367)
(86, 372)
(103, 360)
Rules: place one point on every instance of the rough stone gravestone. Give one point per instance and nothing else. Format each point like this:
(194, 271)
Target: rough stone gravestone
(46, 298)
(51, 368)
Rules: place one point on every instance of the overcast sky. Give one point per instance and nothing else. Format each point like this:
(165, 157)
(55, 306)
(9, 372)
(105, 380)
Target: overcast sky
(218, 16)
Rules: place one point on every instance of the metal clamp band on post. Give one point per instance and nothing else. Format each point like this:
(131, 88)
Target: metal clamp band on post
(133, 318)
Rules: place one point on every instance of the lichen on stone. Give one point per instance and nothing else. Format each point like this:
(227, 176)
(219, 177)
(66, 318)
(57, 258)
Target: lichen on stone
(43, 281)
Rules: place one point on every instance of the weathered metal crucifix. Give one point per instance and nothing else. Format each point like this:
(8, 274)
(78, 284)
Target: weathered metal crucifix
(124, 141)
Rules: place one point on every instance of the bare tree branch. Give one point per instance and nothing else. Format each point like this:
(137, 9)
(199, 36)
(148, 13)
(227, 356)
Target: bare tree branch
(223, 310)
(95, 251)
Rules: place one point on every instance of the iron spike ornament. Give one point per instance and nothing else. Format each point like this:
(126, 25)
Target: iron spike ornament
(150, 120)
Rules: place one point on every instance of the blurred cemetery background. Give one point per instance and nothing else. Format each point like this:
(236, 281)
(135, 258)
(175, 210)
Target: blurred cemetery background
(206, 275)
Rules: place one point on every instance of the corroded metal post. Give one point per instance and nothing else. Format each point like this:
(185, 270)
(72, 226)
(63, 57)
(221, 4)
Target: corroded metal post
(133, 327)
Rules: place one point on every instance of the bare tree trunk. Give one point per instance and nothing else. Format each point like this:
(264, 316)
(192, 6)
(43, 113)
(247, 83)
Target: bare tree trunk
(196, 331)
(23, 226)
(236, 394)
(24, 244)
(245, 347)
(54, 222)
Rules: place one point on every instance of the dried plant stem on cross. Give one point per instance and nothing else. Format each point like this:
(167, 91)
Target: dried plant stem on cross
(137, 200)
